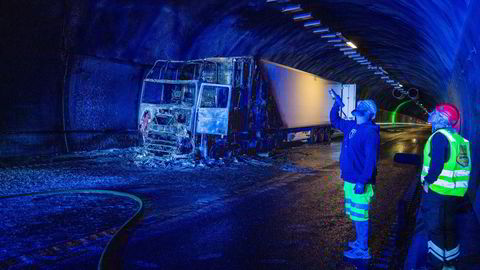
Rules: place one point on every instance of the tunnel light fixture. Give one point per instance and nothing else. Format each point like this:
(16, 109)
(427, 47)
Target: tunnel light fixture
(379, 71)
(389, 81)
(384, 77)
(362, 61)
(339, 45)
(365, 63)
(336, 40)
(348, 52)
(400, 85)
(359, 58)
(321, 30)
(312, 23)
(349, 43)
(354, 55)
(329, 36)
(292, 8)
(302, 16)
(345, 49)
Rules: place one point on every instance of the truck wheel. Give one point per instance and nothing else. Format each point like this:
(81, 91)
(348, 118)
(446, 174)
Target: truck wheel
(327, 136)
(313, 136)
(321, 135)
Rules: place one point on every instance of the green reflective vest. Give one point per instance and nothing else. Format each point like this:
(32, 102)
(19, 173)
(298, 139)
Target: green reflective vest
(453, 181)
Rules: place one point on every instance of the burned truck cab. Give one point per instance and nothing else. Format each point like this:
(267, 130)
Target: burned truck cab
(186, 106)
(166, 113)
(217, 107)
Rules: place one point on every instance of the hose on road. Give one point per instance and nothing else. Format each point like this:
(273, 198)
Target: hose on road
(109, 258)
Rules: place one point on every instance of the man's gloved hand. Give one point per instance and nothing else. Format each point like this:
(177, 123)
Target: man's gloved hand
(359, 188)
(337, 98)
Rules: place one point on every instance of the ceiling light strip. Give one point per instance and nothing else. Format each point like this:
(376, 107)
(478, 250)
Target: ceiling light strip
(337, 39)
(312, 23)
(302, 16)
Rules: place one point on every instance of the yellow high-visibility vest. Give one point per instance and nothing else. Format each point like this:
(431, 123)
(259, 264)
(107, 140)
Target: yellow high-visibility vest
(453, 181)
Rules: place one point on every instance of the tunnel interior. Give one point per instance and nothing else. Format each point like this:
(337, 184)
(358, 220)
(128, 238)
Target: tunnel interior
(71, 71)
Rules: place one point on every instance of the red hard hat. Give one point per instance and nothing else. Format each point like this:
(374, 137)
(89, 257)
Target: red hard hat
(452, 112)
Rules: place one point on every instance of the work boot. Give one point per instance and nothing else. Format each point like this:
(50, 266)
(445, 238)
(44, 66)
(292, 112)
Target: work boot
(358, 253)
(354, 244)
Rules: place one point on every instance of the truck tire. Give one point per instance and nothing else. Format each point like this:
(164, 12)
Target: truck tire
(327, 136)
(313, 136)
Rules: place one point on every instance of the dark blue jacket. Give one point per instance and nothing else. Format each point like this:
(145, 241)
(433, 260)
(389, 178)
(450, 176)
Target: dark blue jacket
(439, 153)
(359, 154)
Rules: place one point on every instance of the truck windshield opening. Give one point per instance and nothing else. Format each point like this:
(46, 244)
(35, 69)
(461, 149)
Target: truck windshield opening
(167, 93)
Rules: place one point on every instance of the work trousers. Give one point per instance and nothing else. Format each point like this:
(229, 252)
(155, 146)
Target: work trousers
(439, 217)
(357, 205)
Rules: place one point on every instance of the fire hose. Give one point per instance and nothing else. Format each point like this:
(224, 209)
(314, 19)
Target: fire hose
(107, 259)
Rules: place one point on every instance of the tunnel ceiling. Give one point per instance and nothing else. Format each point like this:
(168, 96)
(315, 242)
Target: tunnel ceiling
(415, 41)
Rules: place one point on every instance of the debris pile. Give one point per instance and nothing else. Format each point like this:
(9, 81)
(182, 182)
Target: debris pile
(142, 157)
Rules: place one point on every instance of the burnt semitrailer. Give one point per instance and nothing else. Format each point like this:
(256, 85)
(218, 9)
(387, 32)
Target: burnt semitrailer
(222, 106)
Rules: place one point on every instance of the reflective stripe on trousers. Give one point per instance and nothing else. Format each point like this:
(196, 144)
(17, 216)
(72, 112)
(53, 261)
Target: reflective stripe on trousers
(443, 254)
(357, 205)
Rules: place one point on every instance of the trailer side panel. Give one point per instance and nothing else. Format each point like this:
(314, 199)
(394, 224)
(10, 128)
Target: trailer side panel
(302, 98)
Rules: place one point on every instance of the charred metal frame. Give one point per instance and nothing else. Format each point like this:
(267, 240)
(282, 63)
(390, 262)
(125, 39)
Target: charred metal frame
(247, 121)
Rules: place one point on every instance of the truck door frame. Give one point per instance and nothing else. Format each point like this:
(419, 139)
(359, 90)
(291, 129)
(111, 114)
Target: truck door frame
(223, 112)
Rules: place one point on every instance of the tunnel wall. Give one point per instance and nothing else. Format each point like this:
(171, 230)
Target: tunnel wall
(32, 69)
(58, 96)
(464, 91)
(103, 100)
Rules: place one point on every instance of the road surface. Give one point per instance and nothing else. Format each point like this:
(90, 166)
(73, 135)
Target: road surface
(280, 212)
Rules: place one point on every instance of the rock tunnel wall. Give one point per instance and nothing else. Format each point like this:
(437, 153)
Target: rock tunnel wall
(464, 91)
(32, 75)
(102, 103)
(78, 65)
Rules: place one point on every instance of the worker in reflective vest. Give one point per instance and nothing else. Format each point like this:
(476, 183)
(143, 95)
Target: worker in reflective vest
(358, 163)
(445, 174)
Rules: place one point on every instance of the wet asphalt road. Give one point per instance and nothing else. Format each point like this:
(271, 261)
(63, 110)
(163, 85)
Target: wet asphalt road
(295, 221)
(282, 212)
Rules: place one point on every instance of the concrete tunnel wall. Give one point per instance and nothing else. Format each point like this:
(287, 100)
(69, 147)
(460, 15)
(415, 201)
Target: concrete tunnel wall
(77, 65)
